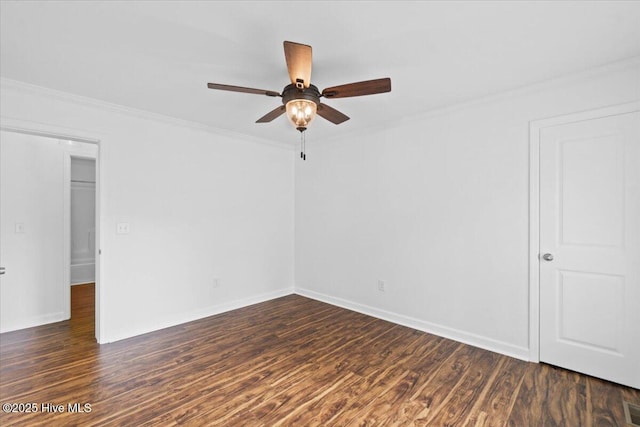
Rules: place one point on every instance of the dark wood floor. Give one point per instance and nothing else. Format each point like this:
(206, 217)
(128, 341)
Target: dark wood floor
(290, 361)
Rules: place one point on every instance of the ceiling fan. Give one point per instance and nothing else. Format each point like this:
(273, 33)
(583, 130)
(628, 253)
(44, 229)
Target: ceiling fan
(301, 99)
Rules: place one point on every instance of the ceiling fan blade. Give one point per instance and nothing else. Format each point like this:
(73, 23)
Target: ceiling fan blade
(298, 57)
(368, 87)
(331, 114)
(242, 89)
(273, 114)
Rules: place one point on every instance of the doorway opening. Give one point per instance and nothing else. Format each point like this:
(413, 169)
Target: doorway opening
(82, 268)
(83, 309)
(35, 223)
(583, 287)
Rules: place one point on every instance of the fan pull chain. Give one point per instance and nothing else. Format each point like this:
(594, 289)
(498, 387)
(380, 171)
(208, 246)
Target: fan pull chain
(303, 146)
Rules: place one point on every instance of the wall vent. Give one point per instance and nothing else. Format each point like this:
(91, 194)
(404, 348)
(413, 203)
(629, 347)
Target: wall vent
(632, 414)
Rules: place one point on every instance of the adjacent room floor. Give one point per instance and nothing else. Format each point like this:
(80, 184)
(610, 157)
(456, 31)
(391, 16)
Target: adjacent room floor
(289, 361)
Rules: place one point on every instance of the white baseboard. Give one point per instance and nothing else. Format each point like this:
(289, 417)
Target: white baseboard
(32, 322)
(432, 328)
(83, 273)
(197, 314)
(475, 340)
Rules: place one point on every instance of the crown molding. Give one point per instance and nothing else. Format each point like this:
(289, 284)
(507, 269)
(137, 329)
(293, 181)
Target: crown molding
(129, 111)
(572, 78)
(381, 126)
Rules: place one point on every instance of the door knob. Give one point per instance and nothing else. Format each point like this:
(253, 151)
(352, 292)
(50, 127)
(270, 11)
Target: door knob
(547, 257)
(1, 270)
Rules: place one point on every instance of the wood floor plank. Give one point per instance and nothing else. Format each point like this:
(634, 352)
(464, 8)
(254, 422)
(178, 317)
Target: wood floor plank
(457, 405)
(291, 361)
(493, 408)
(546, 398)
(606, 402)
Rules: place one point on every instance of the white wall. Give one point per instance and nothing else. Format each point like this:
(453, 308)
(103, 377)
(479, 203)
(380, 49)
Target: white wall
(31, 182)
(437, 207)
(201, 204)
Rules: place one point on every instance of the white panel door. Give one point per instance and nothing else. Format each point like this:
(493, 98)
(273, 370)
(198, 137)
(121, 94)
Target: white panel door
(590, 247)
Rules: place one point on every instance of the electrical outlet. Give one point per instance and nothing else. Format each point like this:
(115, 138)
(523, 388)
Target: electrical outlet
(122, 228)
(381, 285)
(19, 227)
(216, 282)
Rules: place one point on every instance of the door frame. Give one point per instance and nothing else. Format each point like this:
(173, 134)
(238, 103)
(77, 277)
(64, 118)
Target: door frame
(68, 156)
(535, 129)
(62, 133)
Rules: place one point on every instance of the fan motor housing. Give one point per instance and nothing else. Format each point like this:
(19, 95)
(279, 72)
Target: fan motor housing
(291, 92)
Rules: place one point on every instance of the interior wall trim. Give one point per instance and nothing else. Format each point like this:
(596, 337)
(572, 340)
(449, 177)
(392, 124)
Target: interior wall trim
(129, 111)
(549, 84)
(197, 314)
(475, 340)
(34, 321)
(535, 128)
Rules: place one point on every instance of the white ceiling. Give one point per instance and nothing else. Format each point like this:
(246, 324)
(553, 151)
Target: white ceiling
(158, 56)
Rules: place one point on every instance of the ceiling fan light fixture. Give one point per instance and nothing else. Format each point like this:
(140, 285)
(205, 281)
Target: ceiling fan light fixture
(301, 112)
(301, 99)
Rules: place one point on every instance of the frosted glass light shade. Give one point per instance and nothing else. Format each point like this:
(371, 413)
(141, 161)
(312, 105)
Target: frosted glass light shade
(301, 112)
